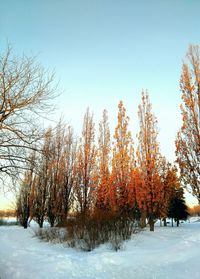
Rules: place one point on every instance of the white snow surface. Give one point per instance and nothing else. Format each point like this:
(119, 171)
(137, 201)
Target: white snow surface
(167, 253)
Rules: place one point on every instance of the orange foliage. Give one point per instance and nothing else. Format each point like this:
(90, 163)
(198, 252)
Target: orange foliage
(150, 193)
(188, 138)
(103, 200)
(121, 161)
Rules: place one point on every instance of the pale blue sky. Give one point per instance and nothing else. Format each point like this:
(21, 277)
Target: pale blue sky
(107, 50)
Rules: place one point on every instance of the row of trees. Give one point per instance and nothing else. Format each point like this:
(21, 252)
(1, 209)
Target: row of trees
(7, 213)
(84, 176)
(66, 173)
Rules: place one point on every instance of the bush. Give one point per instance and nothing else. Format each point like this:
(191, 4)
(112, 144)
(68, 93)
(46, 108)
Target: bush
(87, 232)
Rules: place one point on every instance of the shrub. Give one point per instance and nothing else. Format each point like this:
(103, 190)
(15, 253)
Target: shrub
(51, 234)
(88, 231)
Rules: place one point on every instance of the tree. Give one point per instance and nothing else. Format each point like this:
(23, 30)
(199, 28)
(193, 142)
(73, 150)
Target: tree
(104, 148)
(150, 191)
(177, 208)
(188, 138)
(121, 168)
(67, 173)
(25, 91)
(41, 180)
(86, 166)
(24, 199)
(171, 183)
(53, 177)
(54, 200)
(134, 183)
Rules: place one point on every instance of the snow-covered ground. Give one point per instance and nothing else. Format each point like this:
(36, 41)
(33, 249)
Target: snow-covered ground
(166, 253)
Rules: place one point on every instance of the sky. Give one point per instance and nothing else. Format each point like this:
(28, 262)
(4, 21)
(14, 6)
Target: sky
(103, 51)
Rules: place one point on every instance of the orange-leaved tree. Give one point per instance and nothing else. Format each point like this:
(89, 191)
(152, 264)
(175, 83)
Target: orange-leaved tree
(121, 162)
(104, 148)
(149, 192)
(188, 138)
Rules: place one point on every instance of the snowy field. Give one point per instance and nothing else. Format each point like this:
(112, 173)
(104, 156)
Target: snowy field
(171, 253)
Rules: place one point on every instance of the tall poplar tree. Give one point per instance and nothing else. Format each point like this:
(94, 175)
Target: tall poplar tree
(188, 138)
(85, 166)
(104, 148)
(149, 192)
(121, 159)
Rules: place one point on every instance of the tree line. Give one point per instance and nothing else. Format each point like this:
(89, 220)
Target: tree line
(87, 175)
(62, 174)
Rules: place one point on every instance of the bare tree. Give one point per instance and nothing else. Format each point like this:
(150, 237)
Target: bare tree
(25, 91)
(188, 139)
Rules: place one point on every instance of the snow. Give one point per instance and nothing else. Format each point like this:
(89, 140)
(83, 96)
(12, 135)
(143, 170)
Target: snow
(166, 253)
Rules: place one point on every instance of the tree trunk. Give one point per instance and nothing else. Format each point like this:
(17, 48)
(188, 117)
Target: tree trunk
(165, 222)
(26, 217)
(177, 222)
(52, 223)
(151, 223)
(172, 222)
(41, 221)
(51, 220)
(143, 219)
(25, 224)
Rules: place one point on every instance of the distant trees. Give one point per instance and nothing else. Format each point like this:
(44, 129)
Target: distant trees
(194, 211)
(188, 138)
(25, 91)
(7, 213)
